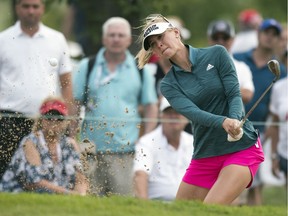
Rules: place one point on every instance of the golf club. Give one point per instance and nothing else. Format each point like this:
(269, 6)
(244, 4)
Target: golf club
(274, 67)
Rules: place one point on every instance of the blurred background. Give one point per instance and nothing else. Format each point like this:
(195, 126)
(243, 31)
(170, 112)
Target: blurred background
(196, 15)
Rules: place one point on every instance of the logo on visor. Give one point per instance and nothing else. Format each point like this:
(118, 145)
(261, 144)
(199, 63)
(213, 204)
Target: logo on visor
(150, 29)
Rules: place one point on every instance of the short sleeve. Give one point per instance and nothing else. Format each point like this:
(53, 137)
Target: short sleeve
(148, 93)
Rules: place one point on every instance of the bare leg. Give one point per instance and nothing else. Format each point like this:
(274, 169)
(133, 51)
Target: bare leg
(231, 181)
(191, 192)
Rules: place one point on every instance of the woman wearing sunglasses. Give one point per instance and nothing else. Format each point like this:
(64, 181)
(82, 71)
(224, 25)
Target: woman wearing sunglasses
(202, 85)
(47, 161)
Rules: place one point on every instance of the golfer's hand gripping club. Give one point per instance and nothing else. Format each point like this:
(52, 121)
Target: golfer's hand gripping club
(237, 137)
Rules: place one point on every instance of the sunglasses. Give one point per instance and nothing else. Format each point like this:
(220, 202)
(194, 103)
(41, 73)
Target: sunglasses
(58, 118)
(220, 37)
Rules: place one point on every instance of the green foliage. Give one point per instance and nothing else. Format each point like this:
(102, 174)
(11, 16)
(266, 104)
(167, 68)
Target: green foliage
(55, 10)
(196, 14)
(5, 14)
(41, 204)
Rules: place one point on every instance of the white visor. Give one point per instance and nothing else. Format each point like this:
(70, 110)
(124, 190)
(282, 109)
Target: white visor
(155, 29)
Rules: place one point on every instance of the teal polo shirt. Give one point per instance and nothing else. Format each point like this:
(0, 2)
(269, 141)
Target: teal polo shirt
(112, 119)
(206, 96)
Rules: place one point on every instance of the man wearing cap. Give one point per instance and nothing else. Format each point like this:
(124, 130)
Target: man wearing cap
(162, 156)
(268, 35)
(249, 21)
(222, 32)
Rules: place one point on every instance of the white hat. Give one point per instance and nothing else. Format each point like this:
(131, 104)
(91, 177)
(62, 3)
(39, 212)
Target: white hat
(164, 104)
(75, 49)
(155, 29)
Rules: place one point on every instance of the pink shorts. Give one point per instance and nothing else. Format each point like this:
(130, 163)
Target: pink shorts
(204, 172)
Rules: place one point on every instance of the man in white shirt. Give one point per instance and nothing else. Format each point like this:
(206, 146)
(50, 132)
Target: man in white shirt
(222, 32)
(162, 156)
(279, 130)
(34, 60)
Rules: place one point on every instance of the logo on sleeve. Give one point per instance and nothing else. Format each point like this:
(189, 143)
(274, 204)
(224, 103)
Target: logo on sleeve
(209, 67)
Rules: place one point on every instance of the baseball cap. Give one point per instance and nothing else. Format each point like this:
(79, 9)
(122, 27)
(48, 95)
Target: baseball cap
(155, 29)
(249, 16)
(270, 23)
(221, 26)
(164, 104)
(55, 105)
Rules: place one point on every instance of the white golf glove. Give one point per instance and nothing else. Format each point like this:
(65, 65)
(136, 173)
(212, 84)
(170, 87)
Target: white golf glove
(238, 137)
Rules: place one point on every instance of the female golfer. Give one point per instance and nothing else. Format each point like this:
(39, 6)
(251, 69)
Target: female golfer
(202, 85)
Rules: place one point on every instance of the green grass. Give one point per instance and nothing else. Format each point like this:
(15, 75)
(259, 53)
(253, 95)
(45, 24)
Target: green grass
(40, 204)
(275, 196)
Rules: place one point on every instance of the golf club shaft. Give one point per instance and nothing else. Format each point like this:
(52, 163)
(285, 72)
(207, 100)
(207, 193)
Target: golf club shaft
(256, 104)
(273, 66)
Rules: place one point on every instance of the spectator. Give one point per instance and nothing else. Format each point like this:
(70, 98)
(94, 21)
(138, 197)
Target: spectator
(162, 156)
(46, 160)
(26, 75)
(116, 89)
(222, 32)
(279, 139)
(246, 39)
(202, 85)
(281, 48)
(257, 58)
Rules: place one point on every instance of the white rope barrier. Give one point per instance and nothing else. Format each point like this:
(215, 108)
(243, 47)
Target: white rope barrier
(114, 119)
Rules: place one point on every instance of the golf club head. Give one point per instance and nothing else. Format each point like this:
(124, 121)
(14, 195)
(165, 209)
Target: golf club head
(274, 67)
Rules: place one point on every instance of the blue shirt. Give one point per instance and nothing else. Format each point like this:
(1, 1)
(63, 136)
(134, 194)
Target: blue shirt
(206, 96)
(112, 119)
(262, 78)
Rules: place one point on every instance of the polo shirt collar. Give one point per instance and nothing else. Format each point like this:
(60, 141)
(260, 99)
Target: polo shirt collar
(164, 140)
(127, 62)
(40, 33)
(192, 52)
